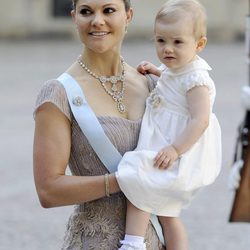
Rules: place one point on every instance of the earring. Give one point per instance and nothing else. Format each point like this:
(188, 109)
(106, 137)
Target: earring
(126, 29)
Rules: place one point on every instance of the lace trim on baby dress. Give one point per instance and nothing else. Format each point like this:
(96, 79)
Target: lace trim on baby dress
(196, 79)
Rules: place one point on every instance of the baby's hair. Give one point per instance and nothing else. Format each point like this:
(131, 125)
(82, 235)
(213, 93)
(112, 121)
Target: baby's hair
(197, 12)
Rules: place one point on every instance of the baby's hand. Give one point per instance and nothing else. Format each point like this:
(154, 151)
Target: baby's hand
(165, 158)
(148, 68)
(144, 67)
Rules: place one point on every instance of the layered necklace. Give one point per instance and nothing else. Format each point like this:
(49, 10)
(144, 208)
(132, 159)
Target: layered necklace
(116, 93)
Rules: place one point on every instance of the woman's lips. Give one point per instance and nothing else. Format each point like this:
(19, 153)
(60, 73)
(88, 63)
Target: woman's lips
(98, 34)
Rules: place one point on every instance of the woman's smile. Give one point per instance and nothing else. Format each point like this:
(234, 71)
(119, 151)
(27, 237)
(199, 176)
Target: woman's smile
(101, 24)
(98, 33)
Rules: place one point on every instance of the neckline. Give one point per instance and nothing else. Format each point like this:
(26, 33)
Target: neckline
(118, 118)
(104, 116)
(197, 63)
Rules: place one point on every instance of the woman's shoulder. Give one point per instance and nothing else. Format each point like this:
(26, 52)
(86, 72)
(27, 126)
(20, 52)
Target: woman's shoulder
(136, 78)
(53, 83)
(131, 71)
(52, 91)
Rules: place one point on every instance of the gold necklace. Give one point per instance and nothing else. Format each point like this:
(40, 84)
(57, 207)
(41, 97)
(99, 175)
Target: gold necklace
(114, 92)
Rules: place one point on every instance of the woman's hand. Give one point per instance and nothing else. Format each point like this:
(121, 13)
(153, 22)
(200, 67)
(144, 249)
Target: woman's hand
(165, 157)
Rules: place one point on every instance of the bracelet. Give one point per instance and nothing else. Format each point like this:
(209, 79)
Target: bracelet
(106, 182)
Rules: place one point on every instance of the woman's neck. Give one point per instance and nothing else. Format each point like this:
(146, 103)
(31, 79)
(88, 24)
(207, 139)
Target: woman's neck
(105, 64)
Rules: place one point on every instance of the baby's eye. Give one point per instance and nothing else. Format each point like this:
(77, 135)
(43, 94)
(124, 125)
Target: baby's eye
(160, 40)
(109, 10)
(85, 11)
(178, 42)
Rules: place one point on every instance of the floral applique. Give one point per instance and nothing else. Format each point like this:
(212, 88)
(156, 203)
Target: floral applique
(155, 100)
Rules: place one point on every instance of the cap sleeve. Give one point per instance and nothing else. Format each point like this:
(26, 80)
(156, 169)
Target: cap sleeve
(196, 79)
(53, 92)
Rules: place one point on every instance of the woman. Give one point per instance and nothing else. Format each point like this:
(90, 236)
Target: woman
(98, 221)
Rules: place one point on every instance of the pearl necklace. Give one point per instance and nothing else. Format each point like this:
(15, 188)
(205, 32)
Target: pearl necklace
(113, 92)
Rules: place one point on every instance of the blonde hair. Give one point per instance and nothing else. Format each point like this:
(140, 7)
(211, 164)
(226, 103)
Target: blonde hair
(197, 12)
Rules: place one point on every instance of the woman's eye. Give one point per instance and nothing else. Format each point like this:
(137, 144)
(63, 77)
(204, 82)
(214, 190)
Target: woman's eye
(85, 11)
(109, 10)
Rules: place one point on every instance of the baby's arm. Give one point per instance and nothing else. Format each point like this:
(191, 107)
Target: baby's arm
(198, 102)
(148, 68)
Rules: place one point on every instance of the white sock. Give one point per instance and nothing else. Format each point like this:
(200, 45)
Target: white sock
(133, 241)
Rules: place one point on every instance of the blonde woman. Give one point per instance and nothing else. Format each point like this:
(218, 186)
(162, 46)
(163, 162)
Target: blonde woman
(98, 221)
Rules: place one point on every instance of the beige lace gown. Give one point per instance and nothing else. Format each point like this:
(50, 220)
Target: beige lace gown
(100, 224)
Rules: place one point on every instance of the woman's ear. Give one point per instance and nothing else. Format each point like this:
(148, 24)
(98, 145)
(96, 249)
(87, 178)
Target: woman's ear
(73, 15)
(201, 44)
(129, 15)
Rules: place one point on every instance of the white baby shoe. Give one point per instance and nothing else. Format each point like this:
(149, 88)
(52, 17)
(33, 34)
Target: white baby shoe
(132, 246)
(129, 247)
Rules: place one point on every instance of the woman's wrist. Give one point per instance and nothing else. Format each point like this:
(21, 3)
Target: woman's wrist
(106, 185)
(110, 184)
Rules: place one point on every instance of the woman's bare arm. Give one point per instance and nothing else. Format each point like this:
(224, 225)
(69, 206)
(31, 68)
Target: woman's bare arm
(52, 142)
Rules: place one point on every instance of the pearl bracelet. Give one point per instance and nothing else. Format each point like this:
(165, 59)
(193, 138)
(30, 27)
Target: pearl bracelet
(106, 182)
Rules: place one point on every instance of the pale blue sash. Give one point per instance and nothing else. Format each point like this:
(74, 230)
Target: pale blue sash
(93, 130)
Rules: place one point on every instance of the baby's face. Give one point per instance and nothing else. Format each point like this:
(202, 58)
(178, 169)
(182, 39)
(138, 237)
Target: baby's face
(175, 42)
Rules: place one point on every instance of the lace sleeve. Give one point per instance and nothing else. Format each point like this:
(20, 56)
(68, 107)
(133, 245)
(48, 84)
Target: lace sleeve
(198, 78)
(53, 92)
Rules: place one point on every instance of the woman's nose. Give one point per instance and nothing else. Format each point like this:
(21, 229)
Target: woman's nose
(98, 19)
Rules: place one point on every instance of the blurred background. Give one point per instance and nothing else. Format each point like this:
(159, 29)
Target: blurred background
(40, 18)
(38, 41)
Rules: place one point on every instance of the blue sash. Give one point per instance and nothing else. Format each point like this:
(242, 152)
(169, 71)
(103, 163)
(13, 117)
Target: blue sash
(93, 130)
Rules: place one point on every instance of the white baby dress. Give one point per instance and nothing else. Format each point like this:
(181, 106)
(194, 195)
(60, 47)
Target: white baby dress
(166, 192)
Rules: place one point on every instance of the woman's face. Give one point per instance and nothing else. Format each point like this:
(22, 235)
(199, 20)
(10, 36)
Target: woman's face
(101, 23)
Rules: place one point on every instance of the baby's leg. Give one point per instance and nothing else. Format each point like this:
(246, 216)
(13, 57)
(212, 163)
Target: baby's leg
(136, 226)
(174, 233)
(136, 220)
